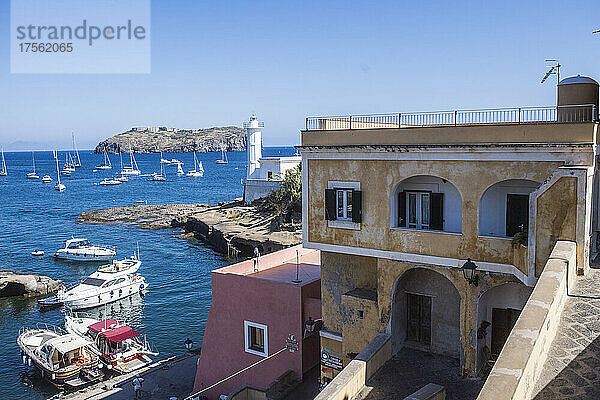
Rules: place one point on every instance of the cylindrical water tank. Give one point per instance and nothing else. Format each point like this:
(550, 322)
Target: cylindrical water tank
(577, 99)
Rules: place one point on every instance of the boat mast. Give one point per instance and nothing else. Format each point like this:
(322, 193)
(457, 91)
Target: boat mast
(57, 170)
(33, 160)
(75, 148)
(3, 162)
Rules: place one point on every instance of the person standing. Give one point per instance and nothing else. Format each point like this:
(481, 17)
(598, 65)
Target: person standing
(137, 386)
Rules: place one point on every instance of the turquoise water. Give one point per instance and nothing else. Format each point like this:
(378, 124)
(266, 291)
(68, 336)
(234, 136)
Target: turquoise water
(35, 216)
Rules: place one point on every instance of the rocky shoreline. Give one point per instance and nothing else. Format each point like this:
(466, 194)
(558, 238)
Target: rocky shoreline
(231, 228)
(26, 284)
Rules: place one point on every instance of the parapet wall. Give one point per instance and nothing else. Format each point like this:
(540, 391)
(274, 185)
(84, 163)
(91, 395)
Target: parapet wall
(354, 376)
(522, 358)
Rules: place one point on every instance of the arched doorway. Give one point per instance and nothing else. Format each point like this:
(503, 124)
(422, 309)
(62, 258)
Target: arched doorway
(498, 309)
(426, 313)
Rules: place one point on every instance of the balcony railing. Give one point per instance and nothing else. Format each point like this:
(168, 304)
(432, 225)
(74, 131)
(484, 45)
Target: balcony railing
(520, 115)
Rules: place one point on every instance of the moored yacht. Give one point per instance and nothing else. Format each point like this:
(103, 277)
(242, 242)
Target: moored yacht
(111, 282)
(120, 347)
(66, 360)
(80, 249)
(109, 182)
(46, 179)
(107, 164)
(3, 171)
(33, 175)
(198, 170)
(132, 168)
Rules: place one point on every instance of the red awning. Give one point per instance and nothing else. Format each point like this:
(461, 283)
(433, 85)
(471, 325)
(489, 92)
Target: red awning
(103, 325)
(119, 334)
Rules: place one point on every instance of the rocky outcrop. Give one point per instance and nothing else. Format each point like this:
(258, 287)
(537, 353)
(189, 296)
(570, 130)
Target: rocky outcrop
(231, 228)
(25, 284)
(171, 140)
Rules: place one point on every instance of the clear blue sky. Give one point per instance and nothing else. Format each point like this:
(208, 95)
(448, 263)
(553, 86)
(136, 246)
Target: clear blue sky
(217, 62)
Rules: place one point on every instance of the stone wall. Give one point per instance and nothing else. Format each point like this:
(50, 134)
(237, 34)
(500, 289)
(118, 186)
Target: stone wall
(521, 360)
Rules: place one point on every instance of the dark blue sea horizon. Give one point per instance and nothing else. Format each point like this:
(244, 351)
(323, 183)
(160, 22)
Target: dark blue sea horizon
(37, 217)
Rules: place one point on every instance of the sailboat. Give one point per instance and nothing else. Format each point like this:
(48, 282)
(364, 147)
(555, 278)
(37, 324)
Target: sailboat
(76, 162)
(179, 169)
(198, 171)
(3, 171)
(223, 159)
(159, 177)
(106, 164)
(59, 186)
(132, 168)
(68, 167)
(33, 175)
(121, 177)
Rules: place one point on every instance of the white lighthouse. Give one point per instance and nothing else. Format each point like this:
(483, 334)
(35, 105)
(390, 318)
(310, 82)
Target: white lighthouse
(254, 145)
(263, 174)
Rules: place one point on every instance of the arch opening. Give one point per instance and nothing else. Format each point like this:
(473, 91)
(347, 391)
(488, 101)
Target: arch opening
(426, 202)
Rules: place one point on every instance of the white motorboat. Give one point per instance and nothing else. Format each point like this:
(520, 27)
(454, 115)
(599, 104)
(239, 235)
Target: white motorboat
(59, 186)
(37, 253)
(132, 168)
(119, 346)
(3, 171)
(107, 164)
(80, 249)
(46, 179)
(121, 178)
(164, 161)
(198, 170)
(175, 161)
(109, 283)
(33, 175)
(109, 182)
(65, 359)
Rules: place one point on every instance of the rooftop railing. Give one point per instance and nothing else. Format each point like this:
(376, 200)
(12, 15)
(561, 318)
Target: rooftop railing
(520, 115)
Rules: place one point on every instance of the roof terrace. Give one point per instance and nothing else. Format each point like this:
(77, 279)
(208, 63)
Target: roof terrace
(519, 115)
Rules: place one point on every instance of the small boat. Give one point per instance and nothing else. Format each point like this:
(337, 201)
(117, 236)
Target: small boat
(111, 282)
(119, 346)
(198, 170)
(37, 253)
(121, 178)
(175, 161)
(33, 175)
(164, 161)
(59, 186)
(179, 169)
(110, 182)
(46, 179)
(76, 161)
(107, 164)
(132, 168)
(223, 159)
(80, 249)
(159, 177)
(3, 171)
(65, 359)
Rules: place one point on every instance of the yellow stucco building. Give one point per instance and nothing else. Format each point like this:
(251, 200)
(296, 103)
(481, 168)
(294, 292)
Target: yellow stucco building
(398, 203)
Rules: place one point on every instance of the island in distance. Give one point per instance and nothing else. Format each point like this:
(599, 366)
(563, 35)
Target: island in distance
(172, 140)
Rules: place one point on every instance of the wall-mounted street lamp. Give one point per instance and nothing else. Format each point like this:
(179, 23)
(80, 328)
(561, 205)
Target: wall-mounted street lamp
(468, 269)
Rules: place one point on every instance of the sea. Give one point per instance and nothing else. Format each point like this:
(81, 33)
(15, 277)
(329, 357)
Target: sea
(34, 216)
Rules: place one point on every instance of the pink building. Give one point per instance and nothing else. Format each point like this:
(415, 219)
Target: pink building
(254, 310)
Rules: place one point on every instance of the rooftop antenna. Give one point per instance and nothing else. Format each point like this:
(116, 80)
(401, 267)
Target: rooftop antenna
(554, 70)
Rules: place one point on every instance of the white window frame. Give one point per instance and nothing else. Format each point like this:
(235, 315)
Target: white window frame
(420, 196)
(345, 193)
(344, 223)
(248, 324)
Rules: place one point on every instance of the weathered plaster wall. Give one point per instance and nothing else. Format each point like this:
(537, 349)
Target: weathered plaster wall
(378, 178)
(556, 219)
(341, 273)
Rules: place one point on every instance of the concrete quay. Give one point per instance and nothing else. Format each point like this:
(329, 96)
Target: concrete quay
(172, 377)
